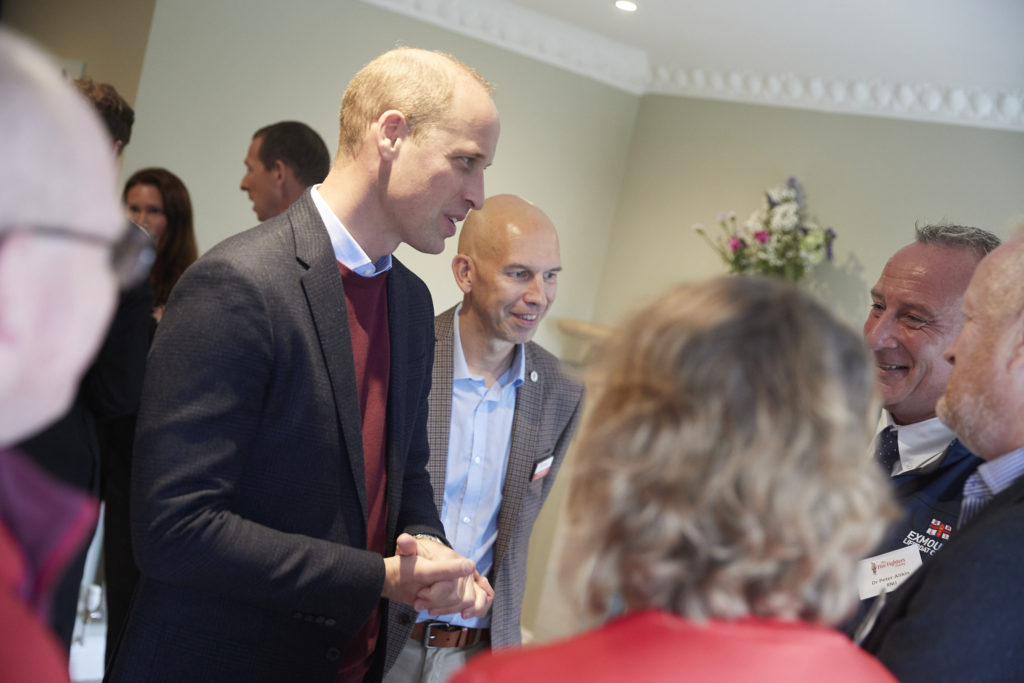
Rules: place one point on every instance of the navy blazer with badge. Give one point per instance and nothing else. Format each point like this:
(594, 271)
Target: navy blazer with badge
(956, 617)
(248, 493)
(547, 411)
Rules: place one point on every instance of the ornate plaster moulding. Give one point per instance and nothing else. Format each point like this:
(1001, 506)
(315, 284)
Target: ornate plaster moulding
(628, 68)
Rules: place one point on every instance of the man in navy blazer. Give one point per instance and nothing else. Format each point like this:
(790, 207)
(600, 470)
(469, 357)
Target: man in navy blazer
(282, 436)
(954, 618)
(914, 315)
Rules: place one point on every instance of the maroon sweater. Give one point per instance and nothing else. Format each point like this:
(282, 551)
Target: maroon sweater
(366, 299)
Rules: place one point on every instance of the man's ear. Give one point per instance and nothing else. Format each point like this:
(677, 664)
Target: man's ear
(462, 268)
(279, 171)
(391, 130)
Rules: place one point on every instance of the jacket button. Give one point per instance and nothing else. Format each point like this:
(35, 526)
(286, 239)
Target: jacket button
(333, 654)
(329, 622)
(297, 615)
(404, 619)
(320, 619)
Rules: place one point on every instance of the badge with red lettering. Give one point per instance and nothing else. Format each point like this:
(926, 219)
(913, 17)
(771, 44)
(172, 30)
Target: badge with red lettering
(542, 468)
(887, 570)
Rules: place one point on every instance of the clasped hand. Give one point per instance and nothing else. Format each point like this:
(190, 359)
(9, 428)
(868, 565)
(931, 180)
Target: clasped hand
(431, 576)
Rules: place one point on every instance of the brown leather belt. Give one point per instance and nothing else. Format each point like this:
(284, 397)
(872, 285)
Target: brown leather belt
(440, 634)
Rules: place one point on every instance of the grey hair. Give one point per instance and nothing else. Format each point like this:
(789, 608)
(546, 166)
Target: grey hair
(980, 241)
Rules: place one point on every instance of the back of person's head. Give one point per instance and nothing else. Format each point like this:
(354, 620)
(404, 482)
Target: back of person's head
(59, 216)
(419, 83)
(722, 469)
(177, 248)
(298, 146)
(116, 113)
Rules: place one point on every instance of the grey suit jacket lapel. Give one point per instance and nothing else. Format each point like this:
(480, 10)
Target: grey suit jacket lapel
(325, 297)
(522, 451)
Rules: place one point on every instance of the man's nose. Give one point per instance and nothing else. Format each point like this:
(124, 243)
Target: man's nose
(878, 332)
(535, 292)
(475, 191)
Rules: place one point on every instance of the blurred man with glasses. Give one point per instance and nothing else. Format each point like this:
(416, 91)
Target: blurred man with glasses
(63, 244)
(70, 448)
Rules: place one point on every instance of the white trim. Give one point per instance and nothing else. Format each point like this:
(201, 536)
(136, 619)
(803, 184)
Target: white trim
(628, 68)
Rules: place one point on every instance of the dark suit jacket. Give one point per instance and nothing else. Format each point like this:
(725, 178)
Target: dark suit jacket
(248, 491)
(955, 618)
(547, 410)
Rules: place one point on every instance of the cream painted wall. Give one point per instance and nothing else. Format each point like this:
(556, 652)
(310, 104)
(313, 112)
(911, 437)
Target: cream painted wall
(215, 72)
(868, 178)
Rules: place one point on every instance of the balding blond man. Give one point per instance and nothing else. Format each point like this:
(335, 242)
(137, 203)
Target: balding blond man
(502, 414)
(280, 500)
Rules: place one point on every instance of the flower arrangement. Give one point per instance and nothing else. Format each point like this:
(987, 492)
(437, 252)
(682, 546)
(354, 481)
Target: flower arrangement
(778, 239)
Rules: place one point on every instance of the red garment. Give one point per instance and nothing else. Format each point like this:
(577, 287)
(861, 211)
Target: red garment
(42, 523)
(366, 300)
(656, 646)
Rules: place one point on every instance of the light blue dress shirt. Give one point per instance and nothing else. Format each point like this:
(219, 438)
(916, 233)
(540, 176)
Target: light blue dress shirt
(346, 250)
(478, 445)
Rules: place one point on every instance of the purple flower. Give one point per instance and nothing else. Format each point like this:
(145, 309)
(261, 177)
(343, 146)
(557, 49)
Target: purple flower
(830, 235)
(736, 243)
(762, 236)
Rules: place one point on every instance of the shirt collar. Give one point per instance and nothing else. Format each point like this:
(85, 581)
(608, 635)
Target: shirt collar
(999, 473)
(515, 375)
(346, 250)
(921, 442)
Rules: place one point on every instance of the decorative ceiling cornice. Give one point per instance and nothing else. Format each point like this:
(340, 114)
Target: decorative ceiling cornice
(628, 68)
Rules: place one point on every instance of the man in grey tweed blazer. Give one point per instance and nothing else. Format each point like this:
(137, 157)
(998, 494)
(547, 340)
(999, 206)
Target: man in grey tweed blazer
(500, 420)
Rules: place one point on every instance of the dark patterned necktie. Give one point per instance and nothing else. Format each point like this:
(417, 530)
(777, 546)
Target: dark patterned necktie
(887, 449)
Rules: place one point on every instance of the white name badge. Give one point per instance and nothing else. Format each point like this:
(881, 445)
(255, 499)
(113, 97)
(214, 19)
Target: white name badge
(542, 468)
(887, 570)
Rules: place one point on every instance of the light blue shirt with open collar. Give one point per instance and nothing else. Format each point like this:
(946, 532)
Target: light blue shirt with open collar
(346, 250)
(478, 446)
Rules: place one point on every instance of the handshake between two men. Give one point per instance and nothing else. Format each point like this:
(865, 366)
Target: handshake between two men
(431, 576)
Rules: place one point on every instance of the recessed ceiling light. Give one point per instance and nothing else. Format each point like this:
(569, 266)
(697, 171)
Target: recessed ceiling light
(625, 5)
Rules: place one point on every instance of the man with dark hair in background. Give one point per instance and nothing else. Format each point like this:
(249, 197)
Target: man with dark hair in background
(283, 160)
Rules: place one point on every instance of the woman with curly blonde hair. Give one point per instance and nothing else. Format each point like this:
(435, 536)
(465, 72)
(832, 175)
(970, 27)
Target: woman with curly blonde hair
(721, 494)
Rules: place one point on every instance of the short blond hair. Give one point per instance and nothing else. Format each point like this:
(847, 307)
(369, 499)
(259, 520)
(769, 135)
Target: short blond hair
(723, 469)
(419, 83)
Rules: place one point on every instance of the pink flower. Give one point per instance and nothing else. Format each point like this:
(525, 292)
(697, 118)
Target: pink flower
(736, 243)
(762, 236)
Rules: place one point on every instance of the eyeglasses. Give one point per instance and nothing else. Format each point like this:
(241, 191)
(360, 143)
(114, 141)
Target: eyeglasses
(131, 255)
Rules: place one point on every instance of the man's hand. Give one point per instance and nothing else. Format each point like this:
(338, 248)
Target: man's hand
(408, 573)
(432, 576)
(470, 596)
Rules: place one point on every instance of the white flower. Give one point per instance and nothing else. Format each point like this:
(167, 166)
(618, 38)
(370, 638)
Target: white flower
(785, 217)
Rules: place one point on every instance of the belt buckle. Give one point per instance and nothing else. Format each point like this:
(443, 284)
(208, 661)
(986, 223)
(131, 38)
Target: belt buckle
(441, 625)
